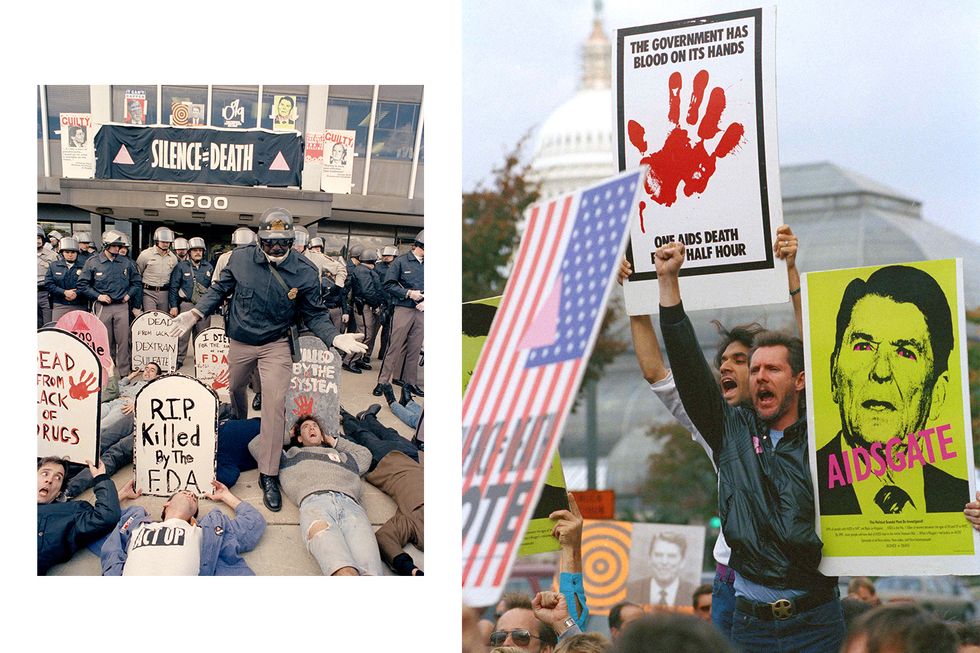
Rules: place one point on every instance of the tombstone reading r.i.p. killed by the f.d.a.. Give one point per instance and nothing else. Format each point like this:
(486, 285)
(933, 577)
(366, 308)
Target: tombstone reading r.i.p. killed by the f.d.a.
(314, 387)
(176, 436)
(69, 378)
(151, 342)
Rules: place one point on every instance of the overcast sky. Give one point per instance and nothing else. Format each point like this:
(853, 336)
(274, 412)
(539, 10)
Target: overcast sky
(887, 89)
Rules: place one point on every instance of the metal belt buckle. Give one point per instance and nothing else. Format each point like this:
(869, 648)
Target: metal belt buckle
(782, 609)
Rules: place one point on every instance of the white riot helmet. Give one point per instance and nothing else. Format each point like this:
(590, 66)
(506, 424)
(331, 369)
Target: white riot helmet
(84, 237)
(420, 239)
(68, 244)
(163, 235)
(55, 234)
(112, 237)
(180, 244)
(196, 243)
(389, 250)
(316, 241)
(242, 236)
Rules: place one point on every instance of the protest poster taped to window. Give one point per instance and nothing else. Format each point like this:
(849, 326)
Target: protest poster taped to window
(655, 565)
(695, 102)
(69, 378)
(211, 361)
(134, 107)
(90, 330)
(151, 342)
(338, 161)
(891, 443)
(314, 387)
(175, 437)
(77, 152)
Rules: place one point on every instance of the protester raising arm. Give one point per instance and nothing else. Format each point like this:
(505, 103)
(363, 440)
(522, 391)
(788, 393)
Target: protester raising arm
(645, 343)
(785, 247)
(568, 531)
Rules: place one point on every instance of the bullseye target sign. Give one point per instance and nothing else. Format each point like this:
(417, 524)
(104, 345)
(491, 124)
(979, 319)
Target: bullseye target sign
(658, 565)
(605, 562)
(180, 113)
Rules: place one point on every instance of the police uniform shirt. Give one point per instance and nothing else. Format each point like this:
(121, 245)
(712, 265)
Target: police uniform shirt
(154, 267)
(168, 548)
(44, 259)
(115, 278)
(63, 276)
(182, 281)
(406, 273)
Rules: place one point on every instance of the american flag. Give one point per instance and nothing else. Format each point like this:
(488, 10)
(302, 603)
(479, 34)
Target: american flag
(531, 367)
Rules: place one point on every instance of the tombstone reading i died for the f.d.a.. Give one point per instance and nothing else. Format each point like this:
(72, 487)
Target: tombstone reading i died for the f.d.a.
(68, 397)
(90, 330)
(211, 361)
(176, 436)
(314, 388)
(150, 342)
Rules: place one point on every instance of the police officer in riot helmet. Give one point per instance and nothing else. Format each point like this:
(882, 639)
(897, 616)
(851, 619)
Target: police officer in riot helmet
(180, 248)
(269, 287)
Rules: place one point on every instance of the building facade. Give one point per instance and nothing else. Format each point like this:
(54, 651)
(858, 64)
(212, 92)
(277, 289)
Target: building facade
(384, 204)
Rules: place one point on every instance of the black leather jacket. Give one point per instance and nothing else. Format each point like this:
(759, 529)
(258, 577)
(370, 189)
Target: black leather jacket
(765, 495)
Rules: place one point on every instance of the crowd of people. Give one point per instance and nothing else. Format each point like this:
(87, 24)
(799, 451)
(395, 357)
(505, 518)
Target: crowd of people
(272, 287)
(749, 417)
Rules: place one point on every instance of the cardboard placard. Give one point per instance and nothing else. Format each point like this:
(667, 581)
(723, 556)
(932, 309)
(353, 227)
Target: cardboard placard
(90, 330)
(69, 397)
(150, 342)
(211, 361)
(314, 387)
(176, 436)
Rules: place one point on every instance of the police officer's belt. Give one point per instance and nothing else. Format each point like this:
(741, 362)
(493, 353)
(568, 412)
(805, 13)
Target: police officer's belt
(148, 287)
(784, 608)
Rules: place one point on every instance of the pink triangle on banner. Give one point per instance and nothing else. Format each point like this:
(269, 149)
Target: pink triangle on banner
(123, 158)
(279, 163)
(543, 329)
(79, 324)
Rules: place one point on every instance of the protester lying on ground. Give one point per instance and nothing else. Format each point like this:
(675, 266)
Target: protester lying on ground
(396, 471)
(406, 409)
(116, 428)
(673, 632)
(731, 360)
(902, 628)
(179, 545)
(322, 475)
(65, 527)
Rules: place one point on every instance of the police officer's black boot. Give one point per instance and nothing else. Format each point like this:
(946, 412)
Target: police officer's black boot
(271, 496)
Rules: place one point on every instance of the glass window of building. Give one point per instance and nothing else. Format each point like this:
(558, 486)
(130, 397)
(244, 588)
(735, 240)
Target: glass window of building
(134, 104)
(353, 114)
(184, 106)
(284, 107)
(65, 99)
(234, 106)
(394, 131)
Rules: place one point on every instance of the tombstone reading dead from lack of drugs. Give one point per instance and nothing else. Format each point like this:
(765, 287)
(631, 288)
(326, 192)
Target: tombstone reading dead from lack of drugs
(90, 330)
(314, 387)
(69, 378)
(176, 436)
(211, 361)
(150, 342)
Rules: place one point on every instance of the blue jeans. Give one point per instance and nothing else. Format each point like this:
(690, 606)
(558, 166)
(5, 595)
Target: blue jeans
(722, 605)
(347, 541)
(818, 630)
(408, 413)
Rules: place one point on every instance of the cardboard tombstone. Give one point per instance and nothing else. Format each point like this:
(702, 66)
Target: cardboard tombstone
(90, 330)
(314, 387)
(150, 342)
(176, 436)
(69, 397)
(211, 361)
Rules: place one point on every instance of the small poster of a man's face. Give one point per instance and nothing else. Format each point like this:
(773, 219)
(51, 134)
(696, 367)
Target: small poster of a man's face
(665, 564)
(77, 136)
(338, 154)
(197, 118)
(135, 112)
(284, 112)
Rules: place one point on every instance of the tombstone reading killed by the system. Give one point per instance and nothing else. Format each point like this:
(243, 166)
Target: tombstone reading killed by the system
(150, 342)
(69, 378)
(90, 330)
(211, 361)
(314, 387)
(176, 436)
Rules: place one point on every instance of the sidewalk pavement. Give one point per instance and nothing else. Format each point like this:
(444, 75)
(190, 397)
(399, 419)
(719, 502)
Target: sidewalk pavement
(282, 550)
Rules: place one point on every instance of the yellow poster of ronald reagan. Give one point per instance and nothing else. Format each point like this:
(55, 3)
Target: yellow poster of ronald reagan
(891, 448)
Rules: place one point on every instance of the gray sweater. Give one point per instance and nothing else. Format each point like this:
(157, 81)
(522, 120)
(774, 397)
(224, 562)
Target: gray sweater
(305, 470)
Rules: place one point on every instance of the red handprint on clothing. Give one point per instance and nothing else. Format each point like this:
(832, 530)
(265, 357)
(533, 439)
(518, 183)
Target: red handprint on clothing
(679, 160)
(304, 406)
(87, 384)
(220, 381)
